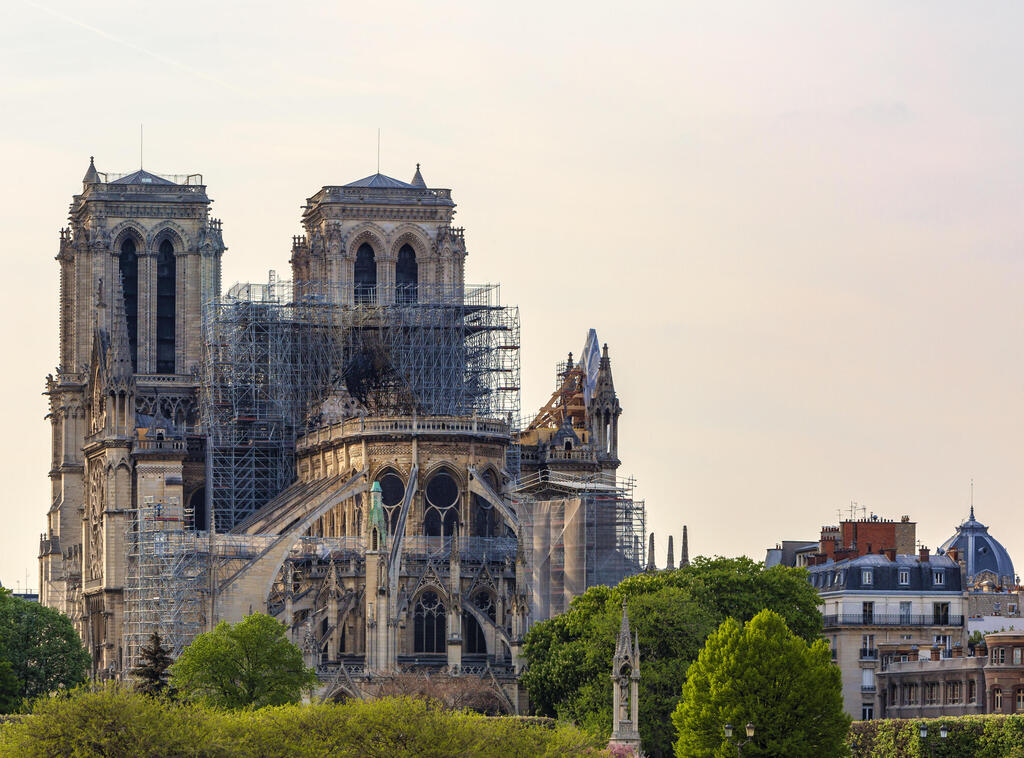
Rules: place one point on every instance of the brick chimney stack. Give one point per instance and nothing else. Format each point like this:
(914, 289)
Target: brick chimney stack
(922, 555)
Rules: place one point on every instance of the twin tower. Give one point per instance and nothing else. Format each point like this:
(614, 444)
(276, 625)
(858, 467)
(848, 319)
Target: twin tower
(139, 263)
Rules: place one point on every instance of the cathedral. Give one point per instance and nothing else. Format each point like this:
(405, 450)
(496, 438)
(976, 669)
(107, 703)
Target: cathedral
(343, 450)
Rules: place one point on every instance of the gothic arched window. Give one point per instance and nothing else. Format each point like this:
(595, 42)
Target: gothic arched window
(441, 510)
(365, 275)
(472, 635)
(485, 520)
(392, 492)
(166, 282)
(429, 624)
(128, 268)
(406, 275)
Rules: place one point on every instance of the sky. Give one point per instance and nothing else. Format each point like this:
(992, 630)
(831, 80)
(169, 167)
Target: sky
(797, 225)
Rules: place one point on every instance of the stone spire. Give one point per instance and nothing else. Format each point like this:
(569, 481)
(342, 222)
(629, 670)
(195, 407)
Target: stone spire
(92, 176)
(624, 644)
(417, 179)
(670, 562)
(119, 359)
(684, 554)
(650, 554)
(625, 686)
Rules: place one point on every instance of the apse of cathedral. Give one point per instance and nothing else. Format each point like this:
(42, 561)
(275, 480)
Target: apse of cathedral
(343, 450)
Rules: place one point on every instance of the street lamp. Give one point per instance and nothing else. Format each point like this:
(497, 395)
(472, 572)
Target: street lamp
(739, 745)
(943, 734)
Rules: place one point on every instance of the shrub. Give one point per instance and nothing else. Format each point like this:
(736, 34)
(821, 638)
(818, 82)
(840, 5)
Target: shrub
(115, 722)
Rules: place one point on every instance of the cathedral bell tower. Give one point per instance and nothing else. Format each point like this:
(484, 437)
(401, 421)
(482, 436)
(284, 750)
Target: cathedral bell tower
(138, 261)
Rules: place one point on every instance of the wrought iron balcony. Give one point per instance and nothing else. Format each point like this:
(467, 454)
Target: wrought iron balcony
(869, 654)
(893, 619)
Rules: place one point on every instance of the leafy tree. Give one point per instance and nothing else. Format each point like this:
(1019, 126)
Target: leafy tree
(152, 668)
(570, 656)
(10, 688)
(43, 649)
(764, 674)
(250, 664)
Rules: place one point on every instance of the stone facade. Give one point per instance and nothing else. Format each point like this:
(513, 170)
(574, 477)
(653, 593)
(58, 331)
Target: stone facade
(989, 681)
(139, 258)
(875, 601)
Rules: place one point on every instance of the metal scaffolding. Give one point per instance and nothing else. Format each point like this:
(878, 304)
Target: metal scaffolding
(579, 531)
(165, 580)
(277, 356)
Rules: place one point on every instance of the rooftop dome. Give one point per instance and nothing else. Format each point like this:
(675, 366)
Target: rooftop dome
(981, 551)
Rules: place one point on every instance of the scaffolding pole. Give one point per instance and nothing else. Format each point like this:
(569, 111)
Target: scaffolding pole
(164, 582)
(276, 354)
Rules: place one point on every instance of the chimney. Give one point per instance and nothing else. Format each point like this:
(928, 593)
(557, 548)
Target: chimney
(650, 555)
(936, 653)
(954, 554)
(670, 563)
(684, 555)
(922, 555)
(890, 553)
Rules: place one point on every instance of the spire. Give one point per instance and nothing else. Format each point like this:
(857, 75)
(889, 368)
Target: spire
(417, 179)
(624, 644)
(671, 561)
(92, 176)
(119, 362)
(684, 554)
(650, 555)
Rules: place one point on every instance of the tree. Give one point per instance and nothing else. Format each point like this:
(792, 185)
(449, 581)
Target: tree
(763, 674)
(570, 656)
(457, 693)
(250, 664)
(10, 688)
(43, 649)
(155, 659)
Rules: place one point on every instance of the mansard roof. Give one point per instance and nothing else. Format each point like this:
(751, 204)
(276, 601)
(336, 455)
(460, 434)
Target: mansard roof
(379, 180)
(848, 574)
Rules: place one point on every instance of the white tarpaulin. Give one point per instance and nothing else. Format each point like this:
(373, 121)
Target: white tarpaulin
(590, 362)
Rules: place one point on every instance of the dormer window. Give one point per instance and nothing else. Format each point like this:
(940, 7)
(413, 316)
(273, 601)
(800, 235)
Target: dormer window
(904, 577)
(867, 576)
(938, 577)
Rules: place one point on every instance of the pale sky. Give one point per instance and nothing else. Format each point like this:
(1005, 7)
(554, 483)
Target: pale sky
(797, 225)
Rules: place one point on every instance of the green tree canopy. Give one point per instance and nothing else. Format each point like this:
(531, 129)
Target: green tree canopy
(570, 656)
(43, 649)
(763, 674)
(250, 664)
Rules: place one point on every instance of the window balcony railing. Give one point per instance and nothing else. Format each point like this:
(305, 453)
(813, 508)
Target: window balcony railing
(892, 619)
(866, 688)
(869, 654)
